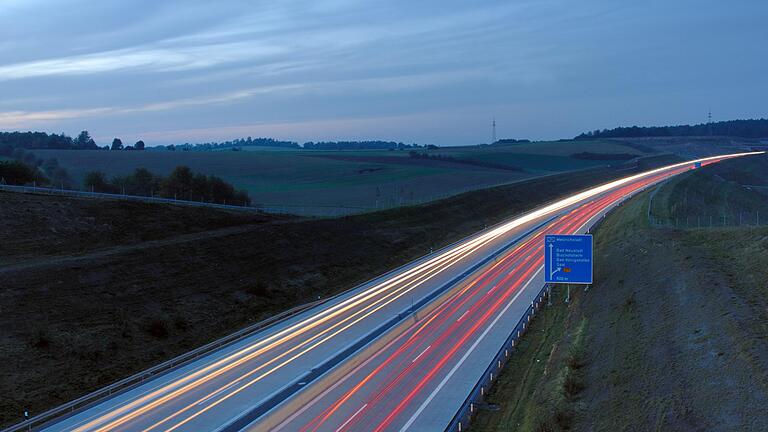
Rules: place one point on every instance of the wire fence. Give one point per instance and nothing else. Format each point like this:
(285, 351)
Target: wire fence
(323, 211)
(703, 221)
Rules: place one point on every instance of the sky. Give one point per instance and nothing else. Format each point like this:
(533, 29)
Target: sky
(428, 71)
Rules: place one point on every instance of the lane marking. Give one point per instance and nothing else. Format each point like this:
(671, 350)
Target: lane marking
(350, 419)
(222, 390)
(466, 355)
(422, 353)
(462, 315)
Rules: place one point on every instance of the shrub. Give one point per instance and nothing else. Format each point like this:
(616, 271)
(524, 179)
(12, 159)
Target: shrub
(17, 173)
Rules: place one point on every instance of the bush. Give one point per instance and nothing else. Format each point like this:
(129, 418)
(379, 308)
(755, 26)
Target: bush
(16, 173)
(572, 384)
(182, 184)
(96, 181)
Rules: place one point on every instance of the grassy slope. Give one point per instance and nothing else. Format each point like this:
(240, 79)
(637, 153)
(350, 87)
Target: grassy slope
(676, 341)
(715, 195)
(295, 177)
(541, 157)
(72, 325)
(310, 178)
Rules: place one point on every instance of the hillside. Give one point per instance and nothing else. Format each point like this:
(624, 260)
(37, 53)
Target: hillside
(365, 179)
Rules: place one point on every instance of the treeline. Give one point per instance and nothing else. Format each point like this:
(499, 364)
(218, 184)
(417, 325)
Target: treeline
(361, 145)
(26, 168)
(735, 128)
(508, 141)
(235, 144)
(42, 140)
(445, 158)
(181, 184)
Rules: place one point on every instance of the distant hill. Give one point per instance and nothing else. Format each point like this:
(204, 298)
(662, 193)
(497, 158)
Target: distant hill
(734, 128)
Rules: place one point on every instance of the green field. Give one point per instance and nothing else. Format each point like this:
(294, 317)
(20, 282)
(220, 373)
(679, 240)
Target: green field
(540, 157)
(370, 179)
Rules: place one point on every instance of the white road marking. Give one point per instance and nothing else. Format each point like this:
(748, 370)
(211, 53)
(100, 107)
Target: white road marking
(465, 356)
(462, 315)
(422, 353)
(350, 419)
(213, 395)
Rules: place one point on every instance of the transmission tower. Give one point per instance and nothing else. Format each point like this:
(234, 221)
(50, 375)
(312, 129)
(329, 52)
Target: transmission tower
(493, 126)
(709, 121)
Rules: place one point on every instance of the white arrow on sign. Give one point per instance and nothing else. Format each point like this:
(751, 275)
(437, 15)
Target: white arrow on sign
(551, 264)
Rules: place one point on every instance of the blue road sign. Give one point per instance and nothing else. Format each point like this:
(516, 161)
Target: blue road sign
(568, 259)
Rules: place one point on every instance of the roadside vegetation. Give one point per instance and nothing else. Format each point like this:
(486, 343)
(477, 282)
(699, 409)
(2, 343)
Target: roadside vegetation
(672, 336)
(21, 167)
(181, 183)
(96, 290)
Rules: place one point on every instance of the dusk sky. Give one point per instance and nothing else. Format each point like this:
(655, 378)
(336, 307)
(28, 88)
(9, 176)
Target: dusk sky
(414, 71)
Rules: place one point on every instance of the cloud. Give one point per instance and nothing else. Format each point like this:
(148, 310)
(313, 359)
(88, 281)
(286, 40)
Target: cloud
(13, 119)
(113, 66)
(147, 59)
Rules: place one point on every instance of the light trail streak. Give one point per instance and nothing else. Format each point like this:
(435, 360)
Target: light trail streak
(586, 213)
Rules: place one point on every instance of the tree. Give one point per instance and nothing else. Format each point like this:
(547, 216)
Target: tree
(178, 184)
(16, 173)
(117, 144)
(139, 145)
(85, 141)
(143, 182)
(96, 181)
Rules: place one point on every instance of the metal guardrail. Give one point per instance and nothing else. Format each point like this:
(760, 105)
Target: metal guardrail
(136, 379)
(462, 418)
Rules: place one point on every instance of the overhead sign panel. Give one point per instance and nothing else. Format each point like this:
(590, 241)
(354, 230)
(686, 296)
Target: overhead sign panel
(568, 259)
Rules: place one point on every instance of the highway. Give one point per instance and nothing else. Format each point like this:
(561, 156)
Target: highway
(400, 352)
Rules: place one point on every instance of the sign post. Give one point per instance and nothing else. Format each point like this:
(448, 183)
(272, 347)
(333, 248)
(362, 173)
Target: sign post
(568, 260)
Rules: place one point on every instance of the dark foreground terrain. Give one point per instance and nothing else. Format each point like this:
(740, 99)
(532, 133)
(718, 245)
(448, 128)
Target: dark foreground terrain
(673, 336)
(93, 291)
